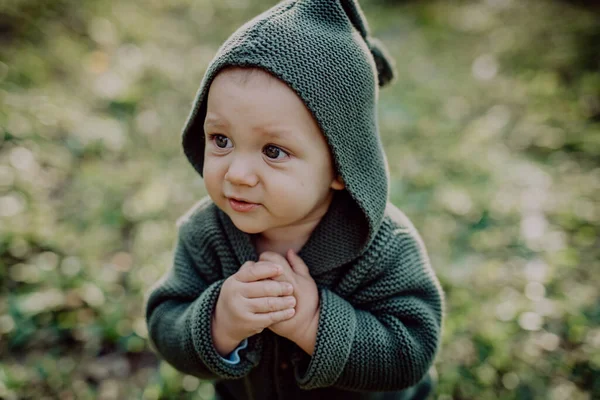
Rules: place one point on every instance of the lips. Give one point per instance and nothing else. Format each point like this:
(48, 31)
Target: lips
(240, 205)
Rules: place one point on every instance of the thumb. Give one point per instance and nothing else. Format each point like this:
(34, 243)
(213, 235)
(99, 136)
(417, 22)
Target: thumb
(298, 265)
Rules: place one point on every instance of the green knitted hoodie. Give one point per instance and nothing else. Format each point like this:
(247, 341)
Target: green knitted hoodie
(381, 305)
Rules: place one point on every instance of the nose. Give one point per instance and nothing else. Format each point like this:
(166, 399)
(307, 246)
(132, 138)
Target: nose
(241, 172)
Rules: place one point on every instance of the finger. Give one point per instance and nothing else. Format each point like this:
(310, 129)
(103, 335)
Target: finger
(274, 258)
(298, 265)
(268, 319)
(266, 288)
(283, 278)
(270, 304)
(257, 271)
(288, 271)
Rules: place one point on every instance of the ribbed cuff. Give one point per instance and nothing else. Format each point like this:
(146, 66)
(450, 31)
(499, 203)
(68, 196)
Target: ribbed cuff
(335, 335)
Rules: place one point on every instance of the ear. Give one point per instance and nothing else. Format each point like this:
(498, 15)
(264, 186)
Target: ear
(338, 183)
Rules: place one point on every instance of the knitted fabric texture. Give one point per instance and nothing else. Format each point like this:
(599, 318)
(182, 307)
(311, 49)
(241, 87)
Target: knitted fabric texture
(380, 315)
(381, 305)
(323, 51)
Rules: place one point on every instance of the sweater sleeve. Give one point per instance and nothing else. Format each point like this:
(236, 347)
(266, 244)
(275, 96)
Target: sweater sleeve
(234, 356)
(389, 341)
(179, 311)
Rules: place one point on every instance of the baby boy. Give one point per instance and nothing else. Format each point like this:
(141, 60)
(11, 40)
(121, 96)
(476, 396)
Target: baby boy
(296, 278)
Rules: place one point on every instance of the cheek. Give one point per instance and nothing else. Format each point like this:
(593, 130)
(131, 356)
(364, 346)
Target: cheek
(317, 177)
(292, 193)
(213, 174)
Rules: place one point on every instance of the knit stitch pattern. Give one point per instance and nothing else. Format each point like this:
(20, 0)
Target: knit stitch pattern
(323, 51)
(380, 315)
(381, 305)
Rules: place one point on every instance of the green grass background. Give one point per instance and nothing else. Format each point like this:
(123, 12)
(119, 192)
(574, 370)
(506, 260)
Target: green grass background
(492, 132)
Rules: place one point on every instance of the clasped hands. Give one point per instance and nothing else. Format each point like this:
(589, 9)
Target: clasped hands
(276, 293)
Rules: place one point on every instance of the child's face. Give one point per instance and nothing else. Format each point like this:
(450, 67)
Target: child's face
(266, 163)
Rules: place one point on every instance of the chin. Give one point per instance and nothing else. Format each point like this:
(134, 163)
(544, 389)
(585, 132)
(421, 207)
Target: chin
(246, 227)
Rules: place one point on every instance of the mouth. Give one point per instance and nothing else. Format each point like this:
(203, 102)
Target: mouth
(241, 205)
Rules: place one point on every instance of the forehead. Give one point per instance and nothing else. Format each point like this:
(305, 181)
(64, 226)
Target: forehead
(248, 79)
(253, 98)
(244, 76)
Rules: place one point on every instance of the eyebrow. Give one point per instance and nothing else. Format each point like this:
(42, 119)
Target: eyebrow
(281, 136)
(212, 121)
(278, 133)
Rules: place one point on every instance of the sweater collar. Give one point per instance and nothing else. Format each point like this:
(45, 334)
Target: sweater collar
(340, 237)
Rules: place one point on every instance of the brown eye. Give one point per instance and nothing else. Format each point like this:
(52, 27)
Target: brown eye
(220, 141)
(274, 152)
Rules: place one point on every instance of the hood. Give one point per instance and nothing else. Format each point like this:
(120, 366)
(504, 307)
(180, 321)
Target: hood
(322, 50)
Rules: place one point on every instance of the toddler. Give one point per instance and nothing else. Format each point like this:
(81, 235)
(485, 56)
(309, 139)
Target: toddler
(295, 278)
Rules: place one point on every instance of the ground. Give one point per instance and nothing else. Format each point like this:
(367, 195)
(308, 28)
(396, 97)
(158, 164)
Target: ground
(492, 131)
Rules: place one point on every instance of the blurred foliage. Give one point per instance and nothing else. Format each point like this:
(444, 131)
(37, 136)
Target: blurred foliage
(492, 134)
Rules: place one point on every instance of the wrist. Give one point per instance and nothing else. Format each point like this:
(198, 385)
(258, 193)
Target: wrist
(308, 337)
(224, 343)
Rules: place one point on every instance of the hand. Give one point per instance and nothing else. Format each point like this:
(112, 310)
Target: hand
(302, 327)
(249, 302)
